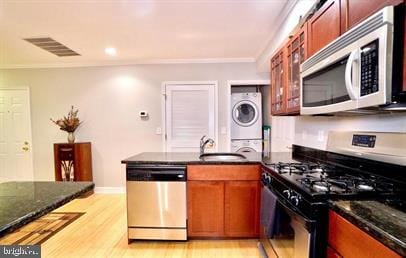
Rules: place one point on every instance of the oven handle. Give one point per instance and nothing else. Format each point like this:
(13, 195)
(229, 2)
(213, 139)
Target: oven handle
(348, 69)
(308, 223)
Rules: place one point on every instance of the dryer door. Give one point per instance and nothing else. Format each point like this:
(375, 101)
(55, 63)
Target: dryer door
(245, 113)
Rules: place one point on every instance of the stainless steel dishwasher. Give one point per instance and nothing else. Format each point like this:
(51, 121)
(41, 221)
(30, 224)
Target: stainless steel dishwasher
(156, 202)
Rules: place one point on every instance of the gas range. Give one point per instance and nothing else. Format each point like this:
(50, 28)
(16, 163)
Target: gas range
(307, 181)
(326, 179)
(307, 184)
(295, 195)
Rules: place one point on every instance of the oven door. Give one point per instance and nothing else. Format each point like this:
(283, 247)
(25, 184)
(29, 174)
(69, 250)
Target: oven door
(294, 235)
(291, 235)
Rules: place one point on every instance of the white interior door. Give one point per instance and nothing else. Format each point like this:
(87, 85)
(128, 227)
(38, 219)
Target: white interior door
(190, 113)
(15, 135)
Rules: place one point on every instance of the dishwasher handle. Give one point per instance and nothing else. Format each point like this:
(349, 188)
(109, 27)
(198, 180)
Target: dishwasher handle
(156, 174)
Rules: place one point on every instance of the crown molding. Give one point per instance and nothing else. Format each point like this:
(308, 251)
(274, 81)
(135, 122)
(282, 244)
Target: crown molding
(287, 9)
(134, 62)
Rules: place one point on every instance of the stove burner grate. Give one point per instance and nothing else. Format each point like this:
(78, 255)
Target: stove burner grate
(345, 183)
(300, 168)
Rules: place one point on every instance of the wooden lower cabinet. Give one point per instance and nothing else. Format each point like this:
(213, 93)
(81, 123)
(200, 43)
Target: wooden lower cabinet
(223, 203)
(241, 208)
(348, 241)
(205, 208)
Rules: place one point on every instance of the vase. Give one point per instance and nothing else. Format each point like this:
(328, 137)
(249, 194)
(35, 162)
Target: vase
(71, 137)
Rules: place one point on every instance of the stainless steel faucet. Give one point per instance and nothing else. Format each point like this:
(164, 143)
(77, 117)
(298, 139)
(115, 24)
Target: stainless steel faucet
(203, 142)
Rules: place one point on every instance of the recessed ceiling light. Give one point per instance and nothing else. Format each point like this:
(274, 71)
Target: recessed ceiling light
(111, 51)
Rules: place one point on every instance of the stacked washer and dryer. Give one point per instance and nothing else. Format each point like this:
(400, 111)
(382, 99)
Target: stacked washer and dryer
(246, 122)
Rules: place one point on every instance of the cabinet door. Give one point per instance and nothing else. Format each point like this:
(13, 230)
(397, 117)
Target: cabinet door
(278, 80)
(296, 54)
(358, 10)
(242, 208)
(325, 26)
(205, 201)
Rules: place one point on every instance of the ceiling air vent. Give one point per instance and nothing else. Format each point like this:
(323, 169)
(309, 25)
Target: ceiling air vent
(52, 46)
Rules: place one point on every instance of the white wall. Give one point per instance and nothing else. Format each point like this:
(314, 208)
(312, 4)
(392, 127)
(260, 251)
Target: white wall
(109, 99)
(313, 131)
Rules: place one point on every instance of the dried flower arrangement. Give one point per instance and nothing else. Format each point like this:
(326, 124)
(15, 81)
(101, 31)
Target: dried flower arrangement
(69, 123)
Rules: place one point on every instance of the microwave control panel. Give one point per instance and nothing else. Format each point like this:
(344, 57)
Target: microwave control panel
(369, 68)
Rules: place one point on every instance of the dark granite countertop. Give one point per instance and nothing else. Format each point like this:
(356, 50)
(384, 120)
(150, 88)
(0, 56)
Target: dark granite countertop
(183, 158)
(22, 202)
(380, 220)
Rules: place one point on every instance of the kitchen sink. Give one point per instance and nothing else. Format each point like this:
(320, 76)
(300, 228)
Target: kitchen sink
(222, 156)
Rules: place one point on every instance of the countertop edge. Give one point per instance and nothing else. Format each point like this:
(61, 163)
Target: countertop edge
(369, 228)
(12, 226)
(195, 162)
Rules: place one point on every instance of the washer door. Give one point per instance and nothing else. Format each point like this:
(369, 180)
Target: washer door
(245, 113)
(245, 150)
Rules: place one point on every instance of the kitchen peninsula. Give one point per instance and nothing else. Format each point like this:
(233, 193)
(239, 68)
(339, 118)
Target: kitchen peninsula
(22, 202)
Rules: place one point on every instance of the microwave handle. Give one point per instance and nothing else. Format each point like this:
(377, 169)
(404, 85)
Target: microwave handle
(348, 68)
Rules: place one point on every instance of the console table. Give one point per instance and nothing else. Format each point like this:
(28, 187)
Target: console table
(73, 161)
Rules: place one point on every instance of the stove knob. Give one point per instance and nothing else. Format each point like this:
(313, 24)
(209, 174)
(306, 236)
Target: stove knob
(295, 199)
(268, 179)
(287, 193)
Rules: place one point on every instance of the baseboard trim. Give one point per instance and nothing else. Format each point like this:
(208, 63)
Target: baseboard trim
(109, 190)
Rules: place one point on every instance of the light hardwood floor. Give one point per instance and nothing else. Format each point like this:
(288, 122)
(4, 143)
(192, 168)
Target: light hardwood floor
(101, 232)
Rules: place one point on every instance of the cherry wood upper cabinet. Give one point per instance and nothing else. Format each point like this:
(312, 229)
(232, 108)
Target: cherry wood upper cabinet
(278, 82)
(348, 241)
(326, 25)
(242, 208)
(296, 54)
(355, 11)
(205, 208)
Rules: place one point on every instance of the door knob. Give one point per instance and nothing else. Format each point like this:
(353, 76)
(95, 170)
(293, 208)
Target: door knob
(25, 148)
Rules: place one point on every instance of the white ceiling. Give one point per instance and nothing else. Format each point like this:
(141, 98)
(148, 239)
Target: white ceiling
(142, 31)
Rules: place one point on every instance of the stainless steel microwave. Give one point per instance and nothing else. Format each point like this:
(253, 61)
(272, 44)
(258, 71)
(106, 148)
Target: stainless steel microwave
(359, 70)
